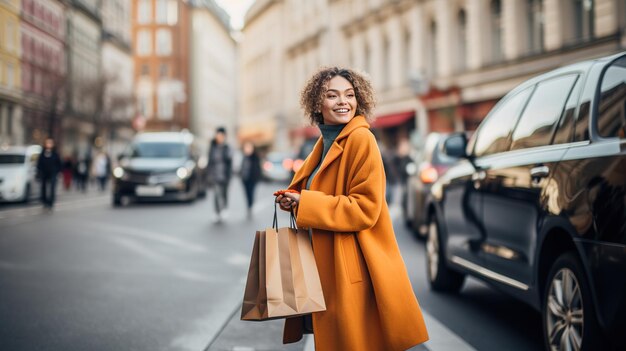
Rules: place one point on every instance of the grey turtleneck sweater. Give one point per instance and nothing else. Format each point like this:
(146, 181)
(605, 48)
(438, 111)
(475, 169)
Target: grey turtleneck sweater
(329, 134)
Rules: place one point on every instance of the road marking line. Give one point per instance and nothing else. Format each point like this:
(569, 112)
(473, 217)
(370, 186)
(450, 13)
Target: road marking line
(146, 234)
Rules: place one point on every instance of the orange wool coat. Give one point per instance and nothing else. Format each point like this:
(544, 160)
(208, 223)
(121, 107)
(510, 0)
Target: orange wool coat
(369, 299)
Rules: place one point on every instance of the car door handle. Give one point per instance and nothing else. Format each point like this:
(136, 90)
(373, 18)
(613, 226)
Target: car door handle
(539, 172)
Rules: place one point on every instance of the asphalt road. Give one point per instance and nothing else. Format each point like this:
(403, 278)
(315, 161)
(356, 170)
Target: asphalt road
(165, 277)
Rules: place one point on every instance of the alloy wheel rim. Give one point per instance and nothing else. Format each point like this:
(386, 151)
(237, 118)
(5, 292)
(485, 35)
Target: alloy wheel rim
(565, 312)
(432, 250)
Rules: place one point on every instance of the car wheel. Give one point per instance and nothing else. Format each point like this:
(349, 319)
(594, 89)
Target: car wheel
(117, 200)
(26, 196)
(569, 316)
(440, 277)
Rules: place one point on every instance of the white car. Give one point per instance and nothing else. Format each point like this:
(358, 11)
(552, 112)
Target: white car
(18, 173)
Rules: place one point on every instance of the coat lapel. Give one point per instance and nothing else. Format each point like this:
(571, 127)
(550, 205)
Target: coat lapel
(335, 151)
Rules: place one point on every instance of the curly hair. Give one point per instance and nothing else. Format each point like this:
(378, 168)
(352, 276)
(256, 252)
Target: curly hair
(312, 96)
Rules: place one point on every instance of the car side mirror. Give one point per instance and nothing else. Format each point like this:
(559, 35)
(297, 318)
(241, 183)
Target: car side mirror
(456, 145)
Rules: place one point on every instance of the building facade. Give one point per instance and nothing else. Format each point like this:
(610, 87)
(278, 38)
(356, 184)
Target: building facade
(437, 65)
(118, 99)
(262, 112)
(82, 122)
(213, 61)
(161, 39)
(43, 69)
(10, 73)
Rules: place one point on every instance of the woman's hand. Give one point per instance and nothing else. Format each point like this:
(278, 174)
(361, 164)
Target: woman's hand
(288, 200)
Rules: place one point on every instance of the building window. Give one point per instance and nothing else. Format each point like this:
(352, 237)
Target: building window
(145, 105)
(163, 42)
(144, 11)
(144, 42)
(535, 25)
(145, 70)
(462, 41)
(432, 43)
(10, 36)
(166, 101)
(163, 70)
(172, 12)
(10, 71)
(161, 11)
(406, 64)
(10, 120)
(496, 31)
(367, 59)
(386, 63)
(583, 20)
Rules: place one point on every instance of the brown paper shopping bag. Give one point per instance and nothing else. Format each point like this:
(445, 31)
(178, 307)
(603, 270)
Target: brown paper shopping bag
(283, 280)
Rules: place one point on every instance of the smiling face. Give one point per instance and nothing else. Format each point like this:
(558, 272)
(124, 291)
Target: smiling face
(339, 105)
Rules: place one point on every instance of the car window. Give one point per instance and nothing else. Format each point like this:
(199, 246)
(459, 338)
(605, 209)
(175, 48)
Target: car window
(566, 125)
(159, 150)
(542, 112)
(612, 107)
(493, 134)
(12, 159)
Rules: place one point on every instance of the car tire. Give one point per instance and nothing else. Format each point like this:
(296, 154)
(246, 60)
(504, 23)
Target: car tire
(573, 322)
(117, 200)
(440, 276)
(26, 197)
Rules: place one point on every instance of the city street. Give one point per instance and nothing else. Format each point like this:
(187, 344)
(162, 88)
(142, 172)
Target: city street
(165, 277)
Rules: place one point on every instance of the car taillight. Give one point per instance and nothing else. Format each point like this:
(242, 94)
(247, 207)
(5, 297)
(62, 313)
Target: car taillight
(267, 165)
(297, 164)
(288, 164)
(429, 174)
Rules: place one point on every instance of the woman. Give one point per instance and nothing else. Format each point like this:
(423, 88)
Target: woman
(250, 173)
(369, 299)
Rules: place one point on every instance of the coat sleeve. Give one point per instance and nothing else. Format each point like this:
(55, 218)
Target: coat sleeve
(360, 208)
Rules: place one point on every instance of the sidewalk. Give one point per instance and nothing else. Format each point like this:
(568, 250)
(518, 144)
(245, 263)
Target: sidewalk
(238, 335)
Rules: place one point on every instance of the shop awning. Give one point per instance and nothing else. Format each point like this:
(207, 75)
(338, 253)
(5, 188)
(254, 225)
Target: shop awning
(393, 119)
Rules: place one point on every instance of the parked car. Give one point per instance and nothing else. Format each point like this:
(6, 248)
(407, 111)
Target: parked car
(160, 166)
(537, 206)
(277, 166)
(18, 173)
(423, 172)
(305, 149)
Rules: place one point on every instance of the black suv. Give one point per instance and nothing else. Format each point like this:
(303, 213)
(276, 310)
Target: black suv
(537, 205)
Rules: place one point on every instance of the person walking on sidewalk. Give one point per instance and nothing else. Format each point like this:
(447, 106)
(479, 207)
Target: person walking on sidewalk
(340, 197)
(250, 173)
(48, 168)
(219, 171)
(101, 168)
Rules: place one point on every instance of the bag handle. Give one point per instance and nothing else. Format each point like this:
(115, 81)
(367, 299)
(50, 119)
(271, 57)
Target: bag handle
(292, 218)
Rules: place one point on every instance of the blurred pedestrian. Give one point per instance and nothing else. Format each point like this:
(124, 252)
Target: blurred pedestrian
(81, 172)
(250, 173)
(340, 198)
(48, 168)
(219, 171)
(67, 170)
(101, 168)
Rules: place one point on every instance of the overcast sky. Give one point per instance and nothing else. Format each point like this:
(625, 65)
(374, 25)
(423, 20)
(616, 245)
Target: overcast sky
(236, 9)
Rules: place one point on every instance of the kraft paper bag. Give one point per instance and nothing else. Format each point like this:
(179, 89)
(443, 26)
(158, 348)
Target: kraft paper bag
(283, 280)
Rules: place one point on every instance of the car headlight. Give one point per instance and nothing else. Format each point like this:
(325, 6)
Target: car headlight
(182, 172)
(118, 172)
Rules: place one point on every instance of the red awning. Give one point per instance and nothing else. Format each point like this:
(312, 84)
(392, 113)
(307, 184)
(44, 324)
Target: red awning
(393, 119)
(307, 132)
